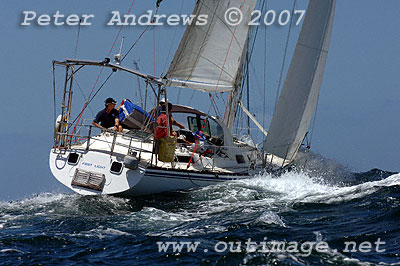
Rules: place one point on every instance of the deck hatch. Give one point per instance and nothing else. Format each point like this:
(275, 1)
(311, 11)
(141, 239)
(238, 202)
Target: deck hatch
(88, 179)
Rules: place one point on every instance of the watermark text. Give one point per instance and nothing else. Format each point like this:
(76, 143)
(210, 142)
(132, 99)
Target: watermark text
(250, 246)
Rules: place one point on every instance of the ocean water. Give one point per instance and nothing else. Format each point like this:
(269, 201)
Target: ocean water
(308, 217)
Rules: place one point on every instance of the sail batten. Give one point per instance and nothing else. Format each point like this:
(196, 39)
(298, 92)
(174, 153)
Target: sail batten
(212, 53)
(299, 97)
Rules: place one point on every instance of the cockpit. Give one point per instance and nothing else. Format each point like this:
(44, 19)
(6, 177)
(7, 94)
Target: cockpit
(197, 124)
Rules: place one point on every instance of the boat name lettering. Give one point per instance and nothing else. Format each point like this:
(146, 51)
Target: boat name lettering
(99, 166)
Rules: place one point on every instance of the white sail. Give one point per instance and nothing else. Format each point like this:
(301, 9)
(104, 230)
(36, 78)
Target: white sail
(299, 96)
(209, 56)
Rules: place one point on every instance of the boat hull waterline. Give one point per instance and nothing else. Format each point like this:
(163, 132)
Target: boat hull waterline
(145, 180)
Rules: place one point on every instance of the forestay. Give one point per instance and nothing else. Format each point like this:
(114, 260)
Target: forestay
(209, 56)
(299, 96)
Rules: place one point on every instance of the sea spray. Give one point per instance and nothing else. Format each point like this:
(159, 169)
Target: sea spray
(291, 208)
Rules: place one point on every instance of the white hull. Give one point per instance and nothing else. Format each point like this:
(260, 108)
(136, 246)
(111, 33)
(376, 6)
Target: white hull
(144, 180)
(91, 172)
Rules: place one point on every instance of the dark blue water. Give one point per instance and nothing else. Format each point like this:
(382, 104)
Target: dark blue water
(297, 210)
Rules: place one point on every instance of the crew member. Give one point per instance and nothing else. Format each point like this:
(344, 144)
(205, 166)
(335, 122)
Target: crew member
(108, 117)
(161, 130)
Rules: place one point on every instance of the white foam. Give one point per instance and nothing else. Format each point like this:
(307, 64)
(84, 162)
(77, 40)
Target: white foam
(7, 250)
(157, 215)
(35, 201)
(42, 198)
(101, 233)
(260, 200)
(270, 217)
(300, 187)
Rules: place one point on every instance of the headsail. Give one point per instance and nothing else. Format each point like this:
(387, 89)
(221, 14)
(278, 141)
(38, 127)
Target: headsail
(299, 96)
(209, 56)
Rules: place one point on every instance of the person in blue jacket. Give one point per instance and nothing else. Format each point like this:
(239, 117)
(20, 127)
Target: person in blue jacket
(108, 117)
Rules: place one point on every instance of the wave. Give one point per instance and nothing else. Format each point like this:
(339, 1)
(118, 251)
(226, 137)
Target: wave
(281, 207)
(258, 201)
(263, 189)
(302, 187)
(57, 205)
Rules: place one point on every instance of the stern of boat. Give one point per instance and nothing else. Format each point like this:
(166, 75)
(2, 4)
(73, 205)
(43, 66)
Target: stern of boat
(94, 172)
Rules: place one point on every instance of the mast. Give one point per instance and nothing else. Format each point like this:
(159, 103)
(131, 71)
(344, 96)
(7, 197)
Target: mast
(248, 92)
(234, 94)
(232, 107)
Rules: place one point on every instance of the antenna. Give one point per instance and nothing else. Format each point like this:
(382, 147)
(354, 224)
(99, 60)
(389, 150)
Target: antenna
(77, 39)
(117, 57)
(139, 88)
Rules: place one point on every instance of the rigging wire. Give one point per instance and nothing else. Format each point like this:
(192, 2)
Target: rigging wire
(102, 85)
(101, 71)
(120, 29)
(77, 38)
(284, 56)
(215, 106)
(265, 82)
(154, 49)
(191, 97)
(140, 36)
(172, 42)
(169, 52)
(309, 140)
(54, 92)
(133, 45)
(222, 98)
(223, 65)
(313, 125)
(179, 95)
(246, 67)
(83, 94)
(91, 98)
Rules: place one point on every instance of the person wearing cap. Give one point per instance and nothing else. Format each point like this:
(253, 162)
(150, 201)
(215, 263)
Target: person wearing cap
(108, 117)
(161, 131)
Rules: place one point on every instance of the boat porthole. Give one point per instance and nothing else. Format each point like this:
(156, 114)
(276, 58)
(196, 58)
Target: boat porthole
(116, 168)
(73, 158)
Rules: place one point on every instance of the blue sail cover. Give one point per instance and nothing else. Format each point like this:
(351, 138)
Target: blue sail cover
(134, 117)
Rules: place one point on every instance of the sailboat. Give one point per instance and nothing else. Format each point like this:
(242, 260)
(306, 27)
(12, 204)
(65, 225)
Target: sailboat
(210, 58)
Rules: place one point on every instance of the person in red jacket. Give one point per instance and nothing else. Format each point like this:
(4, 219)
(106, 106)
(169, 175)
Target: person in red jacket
(161, 130)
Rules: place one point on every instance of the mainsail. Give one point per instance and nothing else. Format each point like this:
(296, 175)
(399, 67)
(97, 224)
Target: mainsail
(209, 57)
(299, 96)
